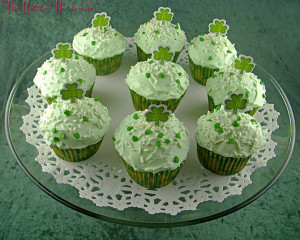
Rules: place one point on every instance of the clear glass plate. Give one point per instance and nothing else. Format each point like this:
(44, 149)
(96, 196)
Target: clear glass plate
(262, 178)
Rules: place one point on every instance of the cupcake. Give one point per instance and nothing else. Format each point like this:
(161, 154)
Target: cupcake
(226, 141)
(152, 153)
(210, 52)
(159, 31)
(58, 70)
(101, 45)
(221, 84)
(75, 130)
(157, 82)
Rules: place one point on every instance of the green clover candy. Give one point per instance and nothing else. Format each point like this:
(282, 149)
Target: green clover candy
(218, 26)
(163, 15)
(244, 63)
(236, 101)
(101, 20)
(157, 114)
(72, 91)
(63, 51)
(163, 54)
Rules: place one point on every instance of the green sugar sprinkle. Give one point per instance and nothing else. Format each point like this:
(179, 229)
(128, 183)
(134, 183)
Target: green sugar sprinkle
(213, 43)
(229, 93)
(129, 128)
(76, 135)
(158, 144)
(217, 125)
(202, 34)
(179, 73)
(148, 131)
(231, 140)
(135, 138)
(177, 27)
(231, 73)
(229, 51)
(116, 34)
(218, 107)
(247, 94)
(178, 81)
(62, 70)
(220, 130)
(160, 135)
(79, 80)
(151, 61)
(45, 72)
(143, 32)
(85, 119)
(56, 139)
(235, 123)
(62, 136)
(93, 43)
(148, 75)
(214, 75)
(167, 141)
(178, 135)
(76, 56)
(173, 65)
(84, 34)
(96, 99)
(212, 111)
(209, 120)
(191, 43)
(113, 138)
(239, 118)
(135, 116)
(161, 75)
(264, 95)
(210, 58)
(176, 159)
(67, 112)
(54, 99)
(262, 83)
(253, 120)
(201, 39)
(156, 31)
(53, 130)
(221, 73)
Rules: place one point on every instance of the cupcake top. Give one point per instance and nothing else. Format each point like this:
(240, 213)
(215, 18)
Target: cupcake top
(229, 80)
(54, 73)
(160, 32)
(152, 148)
(230, 135)
(101, 40)
(74, 125)
(158, 81)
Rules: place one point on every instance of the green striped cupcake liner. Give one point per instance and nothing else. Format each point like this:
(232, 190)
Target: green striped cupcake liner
(152, 180)
(142, 56)
(105, 66)
(200, 74)
(141, 103)
(219, 164)
(77, 155)
(212, 106)
(88, 93)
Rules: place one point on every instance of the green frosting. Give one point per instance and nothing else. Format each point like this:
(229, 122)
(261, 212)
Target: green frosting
(221, 85)
(91, 42)
(50, 78)
(155, 87)
(211, 51)
(234, 140)
(155, 148)
(153, 34)
(85, 124)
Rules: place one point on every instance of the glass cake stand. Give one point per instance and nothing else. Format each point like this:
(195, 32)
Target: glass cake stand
(262, 179)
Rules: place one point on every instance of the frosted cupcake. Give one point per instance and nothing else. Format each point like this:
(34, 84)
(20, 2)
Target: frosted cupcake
(226, 141)
(153, 144)
(74, 130)
(159, 31)
(157, 81)
(237, 79)
(101, 45)
(210, 52)
(64, 67)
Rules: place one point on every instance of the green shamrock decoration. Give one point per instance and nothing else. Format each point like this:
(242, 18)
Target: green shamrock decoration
(63, 51)
(236, 101)
(72, 91)
(101, 20)
(163, 54)
(218, 26)
(157, 114)
(244, 63)
(163, 15)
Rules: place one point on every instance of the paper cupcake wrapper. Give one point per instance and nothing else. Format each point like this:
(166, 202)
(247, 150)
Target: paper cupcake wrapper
(219, 164)
(142, 56)
(152, 180)
(212, 106)
(77, 155)
(88, 93)
(200, 74)
(105, 66)
(141, 103)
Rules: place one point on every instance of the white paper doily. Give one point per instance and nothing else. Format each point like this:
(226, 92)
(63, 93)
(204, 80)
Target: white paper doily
(106, 182)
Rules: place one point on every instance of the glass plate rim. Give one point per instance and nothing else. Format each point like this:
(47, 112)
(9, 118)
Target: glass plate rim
(151, 224)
